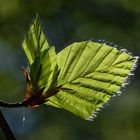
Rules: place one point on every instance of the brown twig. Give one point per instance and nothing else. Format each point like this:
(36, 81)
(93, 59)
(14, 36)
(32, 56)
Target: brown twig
(32, 101)
(6, 104)
(5, 128)
(3, 123)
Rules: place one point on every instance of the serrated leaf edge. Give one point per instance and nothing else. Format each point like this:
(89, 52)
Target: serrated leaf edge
(127, 81)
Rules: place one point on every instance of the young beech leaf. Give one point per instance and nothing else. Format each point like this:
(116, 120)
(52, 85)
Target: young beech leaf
(35, 41)
(41, 58)
(90, 74)
(81, 78)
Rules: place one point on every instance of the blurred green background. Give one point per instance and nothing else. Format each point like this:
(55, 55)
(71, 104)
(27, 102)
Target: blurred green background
(65, 22)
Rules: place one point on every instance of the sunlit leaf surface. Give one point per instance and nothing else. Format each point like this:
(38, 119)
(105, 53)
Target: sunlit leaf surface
(90, 74)
(86, 74)
(41, 57)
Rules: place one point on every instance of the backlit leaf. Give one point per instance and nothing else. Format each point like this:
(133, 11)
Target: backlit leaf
(41, 57)
(81, 78)
(90, 74)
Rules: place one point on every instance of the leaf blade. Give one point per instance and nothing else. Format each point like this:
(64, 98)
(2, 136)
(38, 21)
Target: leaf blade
(41, 57)
(35, 41)
(83, 76)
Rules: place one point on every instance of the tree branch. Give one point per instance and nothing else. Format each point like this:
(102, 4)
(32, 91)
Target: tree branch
(6, 129)
(6, 104)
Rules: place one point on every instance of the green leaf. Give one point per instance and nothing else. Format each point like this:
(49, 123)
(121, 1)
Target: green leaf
(43, 70)
(81, 78)
(35, 41)
(42, 58)
(90, 74)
